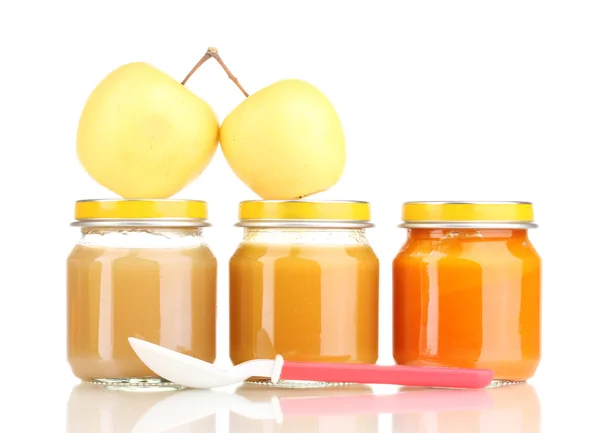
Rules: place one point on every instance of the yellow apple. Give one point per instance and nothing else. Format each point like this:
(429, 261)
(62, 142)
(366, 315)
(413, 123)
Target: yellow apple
(144, 135)
(285, 141)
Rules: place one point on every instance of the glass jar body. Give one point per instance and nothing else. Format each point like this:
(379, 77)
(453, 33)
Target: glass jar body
(468, 298)
(305, 294)
(156, 284)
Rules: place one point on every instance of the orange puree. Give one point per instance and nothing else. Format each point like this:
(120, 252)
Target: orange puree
(468, 298)
(306, 302)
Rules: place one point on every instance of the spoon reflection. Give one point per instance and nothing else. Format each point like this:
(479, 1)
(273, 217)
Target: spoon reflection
(252, 408)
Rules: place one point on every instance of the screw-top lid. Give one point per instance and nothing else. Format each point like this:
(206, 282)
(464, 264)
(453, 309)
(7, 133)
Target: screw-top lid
(142, 212)
(468, 215)
(301, 213)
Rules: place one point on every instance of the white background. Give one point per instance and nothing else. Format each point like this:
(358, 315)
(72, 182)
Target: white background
(440, 100)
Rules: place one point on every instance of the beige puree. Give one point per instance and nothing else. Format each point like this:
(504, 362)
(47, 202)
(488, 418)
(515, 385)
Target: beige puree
(166, 296)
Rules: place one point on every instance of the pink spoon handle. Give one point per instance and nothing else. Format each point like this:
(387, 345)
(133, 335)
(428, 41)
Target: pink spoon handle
(439, 377)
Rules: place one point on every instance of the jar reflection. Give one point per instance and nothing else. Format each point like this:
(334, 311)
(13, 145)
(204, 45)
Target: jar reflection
(514, 409)
(306, 411)
(95, 409)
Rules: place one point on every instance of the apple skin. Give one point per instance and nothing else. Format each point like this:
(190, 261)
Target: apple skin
(144, 135)
(285, 141)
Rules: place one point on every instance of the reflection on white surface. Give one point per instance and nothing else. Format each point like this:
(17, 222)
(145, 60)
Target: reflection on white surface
(514, 409)
(309, 410)
(255, 409)
(94, 409)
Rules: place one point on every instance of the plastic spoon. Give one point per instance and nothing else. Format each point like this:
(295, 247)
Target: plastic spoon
(195, 373)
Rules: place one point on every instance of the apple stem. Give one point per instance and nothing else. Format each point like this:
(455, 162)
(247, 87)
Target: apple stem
(214, 53)
(217, 57)
(204, 58)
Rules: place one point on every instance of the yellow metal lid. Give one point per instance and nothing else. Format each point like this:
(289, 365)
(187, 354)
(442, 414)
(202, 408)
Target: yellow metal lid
(468, 214)
(141, 212)
(301, 213)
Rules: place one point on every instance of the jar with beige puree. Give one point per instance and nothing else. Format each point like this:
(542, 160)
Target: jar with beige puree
(304, 283)
(140, 269)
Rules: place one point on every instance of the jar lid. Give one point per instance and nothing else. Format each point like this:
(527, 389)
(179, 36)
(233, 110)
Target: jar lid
(301, 213)
(459, 214)
(141, 212)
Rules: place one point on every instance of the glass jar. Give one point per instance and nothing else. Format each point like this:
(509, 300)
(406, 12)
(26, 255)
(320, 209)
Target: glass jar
(304, 283)
(141, 269)
(467, 288)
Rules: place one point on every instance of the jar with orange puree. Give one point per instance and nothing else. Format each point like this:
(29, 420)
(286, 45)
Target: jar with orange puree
(304, 283)
(466, 288)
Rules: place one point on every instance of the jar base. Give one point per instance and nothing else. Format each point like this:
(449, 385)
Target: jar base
(497, 383)
(299, 384)
(305, 384)
(135, 383)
